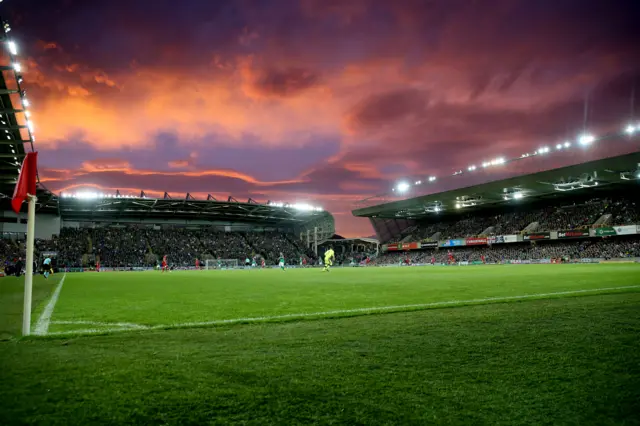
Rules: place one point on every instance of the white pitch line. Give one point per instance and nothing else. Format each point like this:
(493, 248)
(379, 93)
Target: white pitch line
(398, 308)
(113, 324)
(42, 326)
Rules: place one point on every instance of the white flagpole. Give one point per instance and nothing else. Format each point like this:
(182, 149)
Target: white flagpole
(28, 278)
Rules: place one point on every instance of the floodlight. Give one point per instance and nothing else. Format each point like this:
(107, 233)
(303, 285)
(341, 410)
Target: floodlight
(518, 195)
(586, 139)
(25, 102)
(432, 178)
(30, 125)
(403, 186)
(567, 144)
(457, 205)
(17, 67)
(630, 129)
(12, 48)
(418, 182)
(559, 146)
(472, 168)
(87, 195)
(302, 206)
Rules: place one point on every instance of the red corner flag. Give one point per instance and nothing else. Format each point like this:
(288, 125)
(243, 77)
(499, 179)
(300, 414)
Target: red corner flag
(26, 181)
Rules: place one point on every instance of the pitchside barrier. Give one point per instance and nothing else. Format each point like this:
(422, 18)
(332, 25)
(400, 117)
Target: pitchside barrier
(521, 262)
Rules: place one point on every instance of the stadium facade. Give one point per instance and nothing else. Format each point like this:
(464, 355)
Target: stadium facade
(614, 177)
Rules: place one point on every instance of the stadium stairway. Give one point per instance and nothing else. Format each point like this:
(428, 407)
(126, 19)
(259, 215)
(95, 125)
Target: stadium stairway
(254, 249)
(531, 227)
(488, 231)
(603, 220)
(298, 245)
(408, 232)
(407, 239)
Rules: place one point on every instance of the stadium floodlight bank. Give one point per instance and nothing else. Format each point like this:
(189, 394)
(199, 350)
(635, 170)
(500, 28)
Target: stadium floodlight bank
(221, 264)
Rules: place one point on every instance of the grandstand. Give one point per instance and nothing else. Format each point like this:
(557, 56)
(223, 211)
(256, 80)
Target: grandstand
(471, 211)
(117, 230)
(558, 214)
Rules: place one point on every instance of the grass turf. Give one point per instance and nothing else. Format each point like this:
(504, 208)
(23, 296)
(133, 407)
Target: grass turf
(556, 361)
(560, 360)
(155, 299)
(12, 297)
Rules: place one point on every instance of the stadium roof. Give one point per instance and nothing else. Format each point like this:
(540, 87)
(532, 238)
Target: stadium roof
(15, 128)
(113, 207)
(605, 173)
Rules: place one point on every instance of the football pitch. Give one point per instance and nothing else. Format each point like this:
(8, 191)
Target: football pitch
(108, 302)
(503, 344)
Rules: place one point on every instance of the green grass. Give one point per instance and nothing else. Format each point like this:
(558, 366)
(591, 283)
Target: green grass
(558, 361)
(155, 299)
(552, 360)
(12, 297)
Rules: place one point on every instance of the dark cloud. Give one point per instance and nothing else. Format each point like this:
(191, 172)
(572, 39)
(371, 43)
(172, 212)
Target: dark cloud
(380, 109)
(285, 82)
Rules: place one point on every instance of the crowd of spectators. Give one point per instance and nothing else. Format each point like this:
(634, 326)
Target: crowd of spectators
(129, 246)
(551, 218)
(623, 212)
(607, 248)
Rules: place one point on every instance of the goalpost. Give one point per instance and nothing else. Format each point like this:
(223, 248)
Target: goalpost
(221, 264)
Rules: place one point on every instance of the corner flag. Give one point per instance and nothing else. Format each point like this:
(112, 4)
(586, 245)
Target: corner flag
(26, 188)
(26, 181)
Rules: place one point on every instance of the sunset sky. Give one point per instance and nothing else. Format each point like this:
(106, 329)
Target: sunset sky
(318, 101)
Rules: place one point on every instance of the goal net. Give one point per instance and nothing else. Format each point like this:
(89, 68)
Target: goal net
(221, 263)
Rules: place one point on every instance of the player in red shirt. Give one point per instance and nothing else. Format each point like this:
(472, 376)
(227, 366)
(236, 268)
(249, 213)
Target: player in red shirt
(433, 260)
(165, 265)
(483, 260)
(98, 266)
(451, 259)
(197, 264)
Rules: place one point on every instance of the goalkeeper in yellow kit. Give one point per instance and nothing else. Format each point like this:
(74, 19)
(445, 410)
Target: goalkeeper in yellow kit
(329, 257)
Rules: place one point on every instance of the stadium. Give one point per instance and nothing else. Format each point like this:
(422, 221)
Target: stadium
(509, 302)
